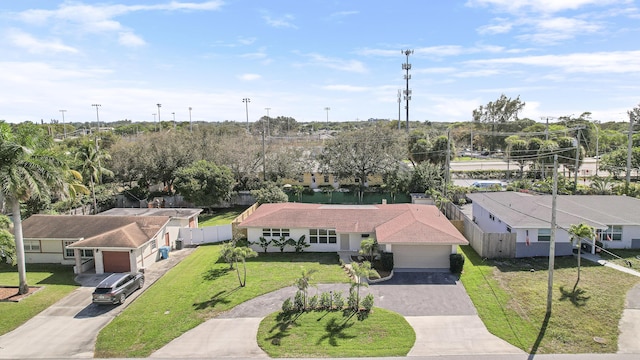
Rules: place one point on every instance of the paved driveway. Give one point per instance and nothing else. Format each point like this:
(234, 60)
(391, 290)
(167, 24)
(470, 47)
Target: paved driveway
(435, 305)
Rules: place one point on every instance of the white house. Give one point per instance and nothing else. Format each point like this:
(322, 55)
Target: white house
(419, 236)
(616, 219)
(95, 242)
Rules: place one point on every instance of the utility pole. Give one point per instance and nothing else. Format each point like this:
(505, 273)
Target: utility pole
(552, 241)
(447, 163)
(159, 121)
(575, 170)
(399, 111)
(190, 123)
(407, 93)
(629, 150)
(246, 102)
(97, 115)
(155, 125)
(264, 156)
(327, 110)
(597, 126)
(174, 119)
(64, 127)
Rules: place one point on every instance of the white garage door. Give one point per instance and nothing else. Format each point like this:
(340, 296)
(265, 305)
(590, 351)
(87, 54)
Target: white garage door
(421, 256)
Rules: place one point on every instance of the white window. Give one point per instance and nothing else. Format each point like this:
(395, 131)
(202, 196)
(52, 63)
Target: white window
(322, 236)
(268, 232)
(544, 234)
(613, 233)
(32, 245)
(68, 253)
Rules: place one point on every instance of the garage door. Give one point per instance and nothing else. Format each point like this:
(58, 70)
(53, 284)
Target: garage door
(116, 261)
(421, 256)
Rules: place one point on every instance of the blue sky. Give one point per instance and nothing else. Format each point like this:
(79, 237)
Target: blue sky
(562, 57)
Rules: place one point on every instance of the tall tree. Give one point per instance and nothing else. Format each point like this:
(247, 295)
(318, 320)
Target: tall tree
(579, 232)
(242, 254)
(303, 283)
(204, 183)
(92, 164)
(361, 153)
(27, 171)
(496, 113)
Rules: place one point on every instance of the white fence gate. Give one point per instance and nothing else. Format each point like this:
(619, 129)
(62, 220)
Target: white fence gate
(205, 235)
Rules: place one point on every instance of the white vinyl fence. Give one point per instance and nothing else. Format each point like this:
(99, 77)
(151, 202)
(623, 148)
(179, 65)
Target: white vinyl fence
(205, 235)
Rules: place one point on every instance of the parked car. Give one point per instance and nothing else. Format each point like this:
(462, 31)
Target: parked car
(116, 287)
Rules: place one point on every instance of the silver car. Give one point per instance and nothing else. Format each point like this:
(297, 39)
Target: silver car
(116, 287)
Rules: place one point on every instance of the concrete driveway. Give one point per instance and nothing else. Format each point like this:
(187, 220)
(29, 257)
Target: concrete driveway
(69, 328)
(435, 304)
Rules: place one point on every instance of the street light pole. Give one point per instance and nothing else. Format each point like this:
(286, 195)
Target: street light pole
(174, 119)
(64, 127)
(327, 110)
(246, 102)
(268, 125)
(97, 114)
(190, 123)
(159, 121)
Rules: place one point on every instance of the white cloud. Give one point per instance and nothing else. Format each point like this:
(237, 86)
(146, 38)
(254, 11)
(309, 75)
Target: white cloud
(346, 88)
(250, 77)
(283, 22)
(616, 62)
(130, 39)
(77, 17)
(35, 46)
(337, 64)
(539, 6)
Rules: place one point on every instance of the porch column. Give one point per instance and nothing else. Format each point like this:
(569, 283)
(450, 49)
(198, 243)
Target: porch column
(78, 258)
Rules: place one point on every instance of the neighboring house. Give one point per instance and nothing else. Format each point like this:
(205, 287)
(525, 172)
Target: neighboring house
(616, 219)
(317, 179)
(419, 236)
(179, 218)
(95, 242)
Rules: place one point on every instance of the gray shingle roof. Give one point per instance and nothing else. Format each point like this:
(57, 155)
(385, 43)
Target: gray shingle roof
(522, 210)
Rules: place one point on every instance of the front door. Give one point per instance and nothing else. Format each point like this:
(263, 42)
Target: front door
(344, 242)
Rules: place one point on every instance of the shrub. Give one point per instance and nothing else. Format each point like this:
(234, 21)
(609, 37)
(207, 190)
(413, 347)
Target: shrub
(338, 300)
(456, 262)
(386, 260)
(367, 302)
(313, 302)
(298, 301)
(287, 306)
(325, 300)
(352, 300)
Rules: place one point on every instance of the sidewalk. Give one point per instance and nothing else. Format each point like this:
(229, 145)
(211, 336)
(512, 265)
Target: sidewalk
(597, 259)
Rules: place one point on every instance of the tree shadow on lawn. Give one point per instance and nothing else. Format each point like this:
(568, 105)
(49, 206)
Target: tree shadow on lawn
(577, 296)
(284, 322)
(213, 274)
(335, 331)
(219, 298)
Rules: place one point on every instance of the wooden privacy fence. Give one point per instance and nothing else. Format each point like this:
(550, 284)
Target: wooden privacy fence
(487, 245)
(205, 235)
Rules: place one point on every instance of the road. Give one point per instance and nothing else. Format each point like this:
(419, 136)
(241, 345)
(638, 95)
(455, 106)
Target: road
(587, 168)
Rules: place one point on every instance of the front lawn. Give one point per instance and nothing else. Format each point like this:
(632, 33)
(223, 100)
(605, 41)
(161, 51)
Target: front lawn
(220, 216)
(198, 289)
(629, 257)
(336, 334)
(56, 282)
(510, 297)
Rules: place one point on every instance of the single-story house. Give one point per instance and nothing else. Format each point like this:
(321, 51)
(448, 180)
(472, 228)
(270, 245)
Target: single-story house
(419, 236)
(178, 218)
(103, 243)
(615, 218)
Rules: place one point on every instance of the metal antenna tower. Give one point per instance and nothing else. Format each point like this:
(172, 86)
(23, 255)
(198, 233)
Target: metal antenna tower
(407, 93)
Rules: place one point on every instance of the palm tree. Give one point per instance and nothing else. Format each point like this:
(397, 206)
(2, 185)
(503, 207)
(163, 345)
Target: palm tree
(243, 253)
(579, 232)
(361, 271)
(92, 160)
(27, 171)
(303, 282)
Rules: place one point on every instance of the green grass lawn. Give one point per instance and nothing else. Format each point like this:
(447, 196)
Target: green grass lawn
(335, 334)
(198, 289)
(628, 257)
(220, 216)
(56, 282)
(511, 300)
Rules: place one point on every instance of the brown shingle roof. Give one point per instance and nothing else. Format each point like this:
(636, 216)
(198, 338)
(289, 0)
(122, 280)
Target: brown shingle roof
(392, 223)
(96, 230)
